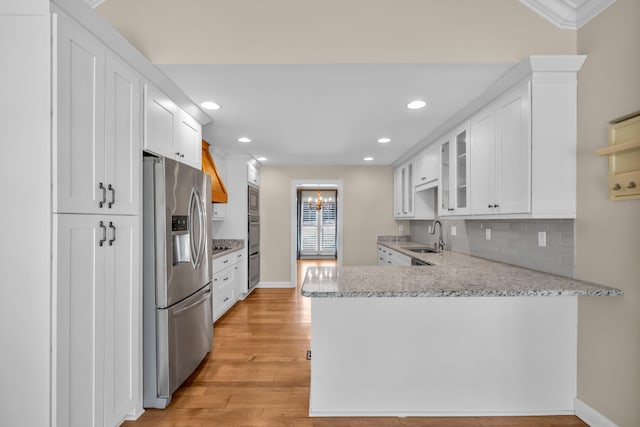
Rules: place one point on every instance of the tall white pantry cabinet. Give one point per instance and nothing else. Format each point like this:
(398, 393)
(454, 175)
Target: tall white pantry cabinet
(97, 149)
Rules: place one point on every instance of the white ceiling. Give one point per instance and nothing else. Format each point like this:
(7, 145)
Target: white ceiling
(329, 114)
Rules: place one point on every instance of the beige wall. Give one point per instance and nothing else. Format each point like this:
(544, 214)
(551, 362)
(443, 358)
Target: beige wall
(608, 233)
(367, 212)
(334, 31)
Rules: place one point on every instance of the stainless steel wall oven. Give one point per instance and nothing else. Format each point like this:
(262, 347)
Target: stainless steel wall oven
(253, 243)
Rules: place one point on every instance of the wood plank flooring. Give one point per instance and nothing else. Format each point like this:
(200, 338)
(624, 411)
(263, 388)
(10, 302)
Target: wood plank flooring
(257, 375)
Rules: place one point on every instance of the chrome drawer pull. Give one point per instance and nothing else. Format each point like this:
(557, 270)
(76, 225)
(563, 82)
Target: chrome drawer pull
(113, 196)
(114, 233)
(104, 234)
(104, 195)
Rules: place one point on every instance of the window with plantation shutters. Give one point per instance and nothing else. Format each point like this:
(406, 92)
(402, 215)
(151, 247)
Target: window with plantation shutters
(318, 220)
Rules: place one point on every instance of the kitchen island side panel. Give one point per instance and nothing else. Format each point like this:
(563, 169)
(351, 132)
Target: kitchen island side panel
(443, 356)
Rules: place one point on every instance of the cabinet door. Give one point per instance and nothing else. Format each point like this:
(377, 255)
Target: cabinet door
(79, 320)
(122, 136)
(407, 190)
(513, 149)
(122, 315)
(397, 192)
(78, 150)
(160, 118)
(189, 141)
(444, 187)
(483, 161)
(460, 169)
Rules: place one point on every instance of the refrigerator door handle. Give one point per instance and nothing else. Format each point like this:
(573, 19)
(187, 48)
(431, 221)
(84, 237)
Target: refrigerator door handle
(197, 247)
(201, 229)
(203, 298)
(192, 245)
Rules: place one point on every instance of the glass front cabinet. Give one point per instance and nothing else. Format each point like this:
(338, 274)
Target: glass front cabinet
(453, 192)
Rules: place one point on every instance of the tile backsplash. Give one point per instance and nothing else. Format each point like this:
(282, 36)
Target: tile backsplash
(512, 241)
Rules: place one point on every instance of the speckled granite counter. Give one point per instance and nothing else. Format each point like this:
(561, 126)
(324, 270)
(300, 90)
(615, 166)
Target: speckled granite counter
(222, 247)
(451, 274)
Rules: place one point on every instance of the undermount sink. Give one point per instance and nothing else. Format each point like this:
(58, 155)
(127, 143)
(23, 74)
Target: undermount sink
(421, 249)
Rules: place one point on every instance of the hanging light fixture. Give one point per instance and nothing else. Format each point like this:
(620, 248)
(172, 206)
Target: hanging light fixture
(319, 201)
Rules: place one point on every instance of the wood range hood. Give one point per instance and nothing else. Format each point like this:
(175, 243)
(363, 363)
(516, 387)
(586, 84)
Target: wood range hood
(218, 190)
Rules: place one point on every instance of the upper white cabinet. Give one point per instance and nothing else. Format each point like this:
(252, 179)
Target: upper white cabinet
(169, 130)
(453, 189)
(501, 154)
(403, 184)
(427, 167)
(409, 202)
(514, 153)
(97, 145)
(253, 174)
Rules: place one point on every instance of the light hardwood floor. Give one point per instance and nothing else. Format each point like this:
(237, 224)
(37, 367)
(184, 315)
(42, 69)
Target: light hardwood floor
(257, 375)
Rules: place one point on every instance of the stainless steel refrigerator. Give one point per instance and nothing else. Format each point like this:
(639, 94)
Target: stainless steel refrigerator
(178, 324)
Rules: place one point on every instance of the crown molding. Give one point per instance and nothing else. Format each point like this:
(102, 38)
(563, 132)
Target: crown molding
(568, 14)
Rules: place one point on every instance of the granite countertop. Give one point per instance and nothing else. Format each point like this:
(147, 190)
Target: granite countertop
(222, 247)
(451, 274)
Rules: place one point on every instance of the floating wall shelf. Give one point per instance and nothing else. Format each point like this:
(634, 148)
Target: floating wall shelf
(624, 157)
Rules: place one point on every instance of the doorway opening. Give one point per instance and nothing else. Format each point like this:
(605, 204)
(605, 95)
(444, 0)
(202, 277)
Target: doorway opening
(317, 220)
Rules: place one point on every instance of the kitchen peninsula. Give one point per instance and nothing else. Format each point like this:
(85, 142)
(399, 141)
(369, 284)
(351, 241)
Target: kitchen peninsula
(462, 336)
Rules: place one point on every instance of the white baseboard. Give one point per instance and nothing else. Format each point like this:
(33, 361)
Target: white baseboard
(275, 285)
(590, 416)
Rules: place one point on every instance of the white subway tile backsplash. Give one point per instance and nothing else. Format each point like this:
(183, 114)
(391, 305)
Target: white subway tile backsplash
(512, 241)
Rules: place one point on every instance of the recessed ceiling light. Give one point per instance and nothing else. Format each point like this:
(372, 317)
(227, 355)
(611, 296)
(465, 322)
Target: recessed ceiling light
(244, 139)
(384, 140)
(261, 159)
(209, 105)
(416, 105)
(368, 159)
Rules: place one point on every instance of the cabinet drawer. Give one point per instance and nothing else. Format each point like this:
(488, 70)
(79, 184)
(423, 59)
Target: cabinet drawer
(223, 277)
(223, 298)
(223, 262)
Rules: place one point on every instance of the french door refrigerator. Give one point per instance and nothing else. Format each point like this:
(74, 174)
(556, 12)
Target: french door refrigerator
(178, 324)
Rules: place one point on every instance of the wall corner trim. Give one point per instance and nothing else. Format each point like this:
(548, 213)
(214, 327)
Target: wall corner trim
(590, 416)
(568, 14)
(273, 285)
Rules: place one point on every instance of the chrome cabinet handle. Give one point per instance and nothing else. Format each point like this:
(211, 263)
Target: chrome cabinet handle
(104, 195)
(114, 233)
(113, 196)
(104, 234)
(178, 153)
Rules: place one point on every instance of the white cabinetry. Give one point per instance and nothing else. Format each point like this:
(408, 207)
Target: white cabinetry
(453, 191)
(96, 275)
(388, 257)
(427, 167)
(228, 282)
(501, 155)
(97, 145)
(96, 160)
(169, 130)
(403, 196)
(253, 175)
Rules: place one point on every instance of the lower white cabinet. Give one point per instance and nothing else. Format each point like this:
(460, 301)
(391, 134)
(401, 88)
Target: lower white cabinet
(228, 282)
(96, 320)
(388, 256)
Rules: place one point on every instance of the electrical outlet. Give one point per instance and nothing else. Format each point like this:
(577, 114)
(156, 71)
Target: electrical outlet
(454, 231)
(487, 233)
(400, 228)
(542, 239)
